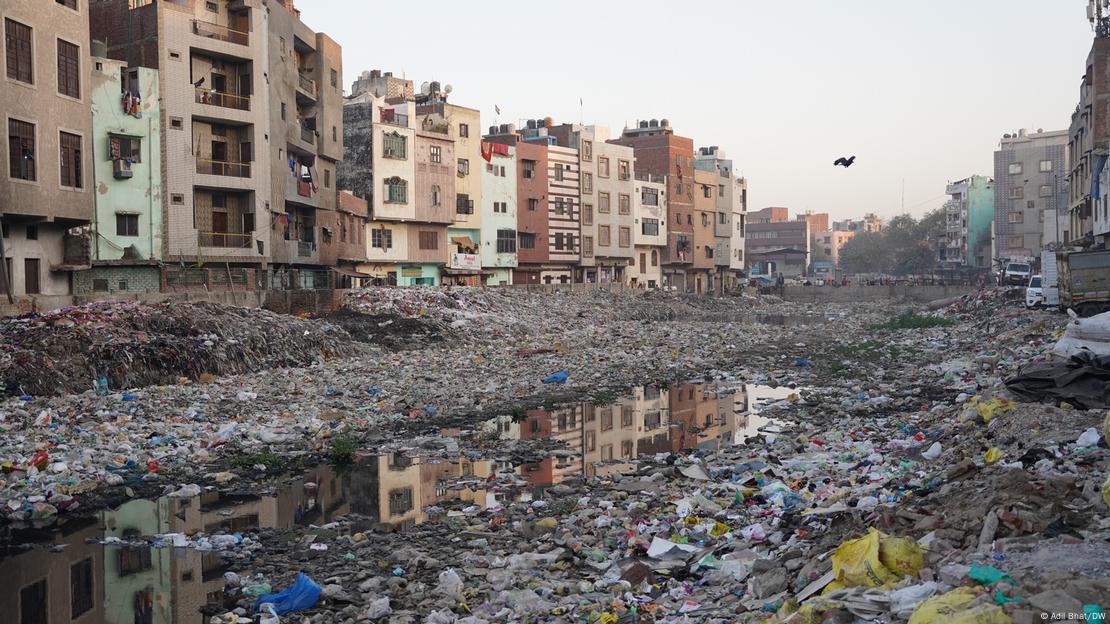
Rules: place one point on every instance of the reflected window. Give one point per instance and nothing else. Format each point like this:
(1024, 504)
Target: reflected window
(32, 603)
(400, 501)
(80, 588)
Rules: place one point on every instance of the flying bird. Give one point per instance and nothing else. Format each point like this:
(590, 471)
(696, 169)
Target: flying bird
(844, 162)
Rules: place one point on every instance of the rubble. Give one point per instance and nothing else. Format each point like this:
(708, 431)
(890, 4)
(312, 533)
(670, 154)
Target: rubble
(894, 477)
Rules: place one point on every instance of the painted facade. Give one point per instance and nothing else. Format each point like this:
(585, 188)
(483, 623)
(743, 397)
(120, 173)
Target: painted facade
(499, 214)
(649, 234)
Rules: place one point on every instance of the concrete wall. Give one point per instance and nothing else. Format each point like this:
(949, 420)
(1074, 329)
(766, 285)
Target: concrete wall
(120, 279)
(917, 294)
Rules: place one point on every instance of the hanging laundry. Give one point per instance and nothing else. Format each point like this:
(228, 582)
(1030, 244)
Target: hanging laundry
(487, 151)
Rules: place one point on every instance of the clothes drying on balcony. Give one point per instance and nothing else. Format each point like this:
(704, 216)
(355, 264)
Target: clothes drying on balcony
(132, 104)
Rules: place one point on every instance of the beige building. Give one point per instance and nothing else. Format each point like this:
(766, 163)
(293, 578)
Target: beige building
(607, 187)
(251, 124)
(46, 189)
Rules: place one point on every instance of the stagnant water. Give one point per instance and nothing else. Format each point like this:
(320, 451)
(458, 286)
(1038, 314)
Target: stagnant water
(87, 571)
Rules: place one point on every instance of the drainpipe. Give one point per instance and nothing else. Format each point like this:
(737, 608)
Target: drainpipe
(150, 180)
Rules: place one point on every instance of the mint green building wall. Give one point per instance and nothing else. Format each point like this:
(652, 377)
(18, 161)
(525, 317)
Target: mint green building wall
(980, 214)
(141, 194)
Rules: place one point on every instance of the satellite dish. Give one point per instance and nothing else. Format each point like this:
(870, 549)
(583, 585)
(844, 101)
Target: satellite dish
(448, 89)
(425, 88)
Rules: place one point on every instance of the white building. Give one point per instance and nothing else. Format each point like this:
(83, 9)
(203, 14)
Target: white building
(649, 231)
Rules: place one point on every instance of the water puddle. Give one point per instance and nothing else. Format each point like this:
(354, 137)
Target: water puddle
(111, 567)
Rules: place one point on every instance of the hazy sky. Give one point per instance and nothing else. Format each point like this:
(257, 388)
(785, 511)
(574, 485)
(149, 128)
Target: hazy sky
(920, 91)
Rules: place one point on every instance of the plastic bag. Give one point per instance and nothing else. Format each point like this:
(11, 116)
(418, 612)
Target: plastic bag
(379, 608)
(953, 608)
(1088, 438)
(557, 378)
(301, 595)
(992, 455)
(874, 560)
(450, 585)
(993, 408)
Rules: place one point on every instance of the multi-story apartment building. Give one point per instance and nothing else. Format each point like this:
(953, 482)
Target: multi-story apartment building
(827, 245)
(1088, 143)
(649, 233)
(607, 189)
(563, 206)
(967, 217)
(706, 242)
(499, 213)
(730, 199)
(352, 215)
(661, 152)
(1028, 190)
(127, 233)
(251, 126)
(869, 223)
(464, 129)
(533, 229)
(47, 189)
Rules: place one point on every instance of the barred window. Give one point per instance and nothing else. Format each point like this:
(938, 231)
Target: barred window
(70, 160)
(506, 241)
(69, 69)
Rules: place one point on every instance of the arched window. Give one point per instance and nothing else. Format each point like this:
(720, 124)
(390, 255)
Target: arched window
(437, 197)
(654, 258)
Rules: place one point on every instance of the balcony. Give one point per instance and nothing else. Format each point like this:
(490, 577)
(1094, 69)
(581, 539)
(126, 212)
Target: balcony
(308, 135)
(305, 249)
(225, 239)
(224, 100)
(394, 119)
(224, 168)
(304, 188)
(223, 33)
(306, 85)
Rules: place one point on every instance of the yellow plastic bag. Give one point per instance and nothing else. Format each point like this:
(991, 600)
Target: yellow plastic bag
(992, 455)
(874, 560)
(993, 408)
(953, 608)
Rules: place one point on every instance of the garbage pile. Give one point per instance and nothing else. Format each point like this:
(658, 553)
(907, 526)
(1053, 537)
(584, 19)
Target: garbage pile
(127, 345)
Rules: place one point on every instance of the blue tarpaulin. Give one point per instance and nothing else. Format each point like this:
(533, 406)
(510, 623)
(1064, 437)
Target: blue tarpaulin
(301, 595)
(1100, 162)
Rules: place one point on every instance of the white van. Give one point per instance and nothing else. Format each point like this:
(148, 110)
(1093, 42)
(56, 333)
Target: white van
(1040, 293)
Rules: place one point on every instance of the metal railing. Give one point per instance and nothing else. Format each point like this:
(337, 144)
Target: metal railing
(225, 239)
(224, 168)
(225, 100)
(223, 33)
(307, 84)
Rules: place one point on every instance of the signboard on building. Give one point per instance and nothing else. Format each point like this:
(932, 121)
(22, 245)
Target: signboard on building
(411, 272)
(466, 261)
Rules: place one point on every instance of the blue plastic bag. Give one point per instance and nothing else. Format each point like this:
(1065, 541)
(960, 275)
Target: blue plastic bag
(558, 378)
(302, 595)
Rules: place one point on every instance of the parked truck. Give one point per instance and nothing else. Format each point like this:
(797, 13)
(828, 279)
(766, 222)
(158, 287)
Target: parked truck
(1084, 281)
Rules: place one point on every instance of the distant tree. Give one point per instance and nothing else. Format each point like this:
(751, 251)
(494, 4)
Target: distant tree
(905, 246)
(866, 252)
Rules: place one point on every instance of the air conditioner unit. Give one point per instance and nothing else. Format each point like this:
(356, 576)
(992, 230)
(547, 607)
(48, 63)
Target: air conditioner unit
(121, 169)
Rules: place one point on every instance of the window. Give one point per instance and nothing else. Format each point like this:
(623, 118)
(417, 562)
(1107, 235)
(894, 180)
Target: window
(177, 199)
(283, 108)
(435, 153)
(80, 588)
(558, 172)
(587, 150)
(1016, 242)
(334, 134)
(587, 214)
(464, 167)
(603, 203)
(500, 207)
(124, 148)
(134, 560)
(1017, 192)
(463, 204)
(393, 145)
(506, 241)
(69, 69)
(21, 150)
(464, 130)
(722, 218)
(327, 179)
(690, 219)
(533, 204)
(69, 147)
(649, 196)
(587, 182)
(624, 204)
(32, 603)
(429, 240)
(704, 219)
(706, 190)
(603, 167)
(528, 171)
(603, 236)
(720, 190)
(1046, 166)
(334, 78)
(708, 251)
(1046, 190)
(396, 191)
(654, 257)
(72, 4)
(1015, 168)
(527, 240)
(178, 124)
(381, 238)
(437, 195)
(1015, 217)
(624, 170)
(400, 501)
(625, 236)
(649, 227)
(32, 232)
(560, 209)
(212, 6)
(588, 246)
(17, 40)
(127, 224)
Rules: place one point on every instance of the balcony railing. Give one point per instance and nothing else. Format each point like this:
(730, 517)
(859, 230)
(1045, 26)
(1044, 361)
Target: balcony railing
(226, 100)
(224, 168)
(223, 33)
(305, 249)
(394, 119)
(224, 239)
(307, 84)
